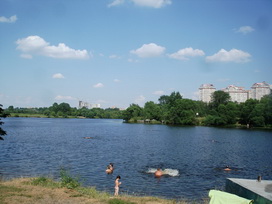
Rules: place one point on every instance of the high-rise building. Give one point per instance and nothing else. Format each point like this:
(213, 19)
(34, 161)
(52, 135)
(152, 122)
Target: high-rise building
(258, 90)
(237, 94)
(82, 104)
(205, 92)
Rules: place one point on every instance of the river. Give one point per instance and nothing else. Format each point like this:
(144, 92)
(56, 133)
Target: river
(192, 157)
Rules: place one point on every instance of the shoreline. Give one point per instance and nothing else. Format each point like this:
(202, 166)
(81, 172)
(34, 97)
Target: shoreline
(45, 190)
(146, 123)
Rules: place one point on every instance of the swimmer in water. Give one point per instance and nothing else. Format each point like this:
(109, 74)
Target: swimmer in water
(109, 169)
(158, 173)
(227, 168)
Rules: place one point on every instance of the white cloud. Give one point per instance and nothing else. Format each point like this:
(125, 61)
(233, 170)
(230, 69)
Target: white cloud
(116, 80)
(116, 3)
(98, 85)
(159, 93)
(11, 19)
(59, 98)
(245, 29)
(152, 3)
(183, 54)
(148, 50)
(58, 76)
(233, 55)
(140, 100)
(37, 45)
(114, 57)
(26, 56)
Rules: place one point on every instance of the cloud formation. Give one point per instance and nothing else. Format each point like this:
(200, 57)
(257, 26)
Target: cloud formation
(59, 98)
(148, 50)
(116, 3)
(58, 76)
(159, 93)
(245, 29)
(140, 99)
(152, 3)
(36, 45)
(185, 53)
(11, 19)
(98, 85)
(233, 55)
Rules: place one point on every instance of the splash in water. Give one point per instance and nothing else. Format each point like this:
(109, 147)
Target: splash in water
(169, 172)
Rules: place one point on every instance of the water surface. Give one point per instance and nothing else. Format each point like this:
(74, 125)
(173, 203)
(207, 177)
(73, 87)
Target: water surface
(41, 146)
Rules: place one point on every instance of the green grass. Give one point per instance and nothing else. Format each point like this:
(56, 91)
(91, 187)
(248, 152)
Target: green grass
(118, 201)
(6, 191)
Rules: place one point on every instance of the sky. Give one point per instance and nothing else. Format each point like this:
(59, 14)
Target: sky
(119, 52)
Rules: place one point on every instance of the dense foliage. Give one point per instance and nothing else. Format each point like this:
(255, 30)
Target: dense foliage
(2, 115)
(63, 110)
(172, 109)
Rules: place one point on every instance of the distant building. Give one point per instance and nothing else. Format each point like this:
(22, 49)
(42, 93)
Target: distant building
(258, 90)
(237, 94)
(82, 104)
(205, 92)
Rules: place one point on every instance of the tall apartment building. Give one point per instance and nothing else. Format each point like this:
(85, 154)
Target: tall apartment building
(82, 104)
(205, 92)
(258, 90)
(238, 94)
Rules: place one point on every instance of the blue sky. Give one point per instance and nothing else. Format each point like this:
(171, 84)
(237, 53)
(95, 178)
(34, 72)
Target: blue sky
(119, 52)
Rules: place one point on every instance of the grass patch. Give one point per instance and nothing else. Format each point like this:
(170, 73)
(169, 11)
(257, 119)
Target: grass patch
(118, 201)
(92, 193)
(45, 182)
(8, 191)
(66, 180)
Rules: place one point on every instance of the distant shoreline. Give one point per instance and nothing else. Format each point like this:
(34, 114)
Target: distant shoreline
(152, 122)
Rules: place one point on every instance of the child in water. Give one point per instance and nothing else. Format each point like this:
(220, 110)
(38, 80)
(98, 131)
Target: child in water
(117, 184)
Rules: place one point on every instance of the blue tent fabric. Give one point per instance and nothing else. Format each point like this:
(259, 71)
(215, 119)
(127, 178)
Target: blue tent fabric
(220, 197)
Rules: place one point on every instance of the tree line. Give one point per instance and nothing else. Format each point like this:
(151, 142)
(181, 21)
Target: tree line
(221, 111)
(64, 110)
(172, 109)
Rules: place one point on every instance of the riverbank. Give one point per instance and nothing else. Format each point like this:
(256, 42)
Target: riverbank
(46, 191)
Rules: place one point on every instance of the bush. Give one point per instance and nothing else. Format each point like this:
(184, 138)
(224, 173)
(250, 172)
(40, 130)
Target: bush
(68, 181)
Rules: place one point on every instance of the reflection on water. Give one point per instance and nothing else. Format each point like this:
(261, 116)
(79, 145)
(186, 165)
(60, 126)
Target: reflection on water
(193, 157)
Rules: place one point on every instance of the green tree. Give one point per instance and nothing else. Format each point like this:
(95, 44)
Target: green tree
(152, 111)
(246, 111)
(267, 102)
(219, 97)
(2, 115)
(133, 112)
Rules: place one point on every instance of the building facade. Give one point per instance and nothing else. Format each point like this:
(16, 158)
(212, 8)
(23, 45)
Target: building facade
(205, 92)
(258, 90)
(237, 94)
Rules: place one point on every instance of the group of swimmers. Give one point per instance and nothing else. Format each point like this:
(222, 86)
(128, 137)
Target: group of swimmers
(110, 169)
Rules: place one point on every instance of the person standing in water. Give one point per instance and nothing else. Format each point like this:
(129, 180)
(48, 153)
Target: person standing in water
(117, 184)
(109, 169)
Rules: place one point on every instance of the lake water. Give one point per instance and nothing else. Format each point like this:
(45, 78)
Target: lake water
(194, 157)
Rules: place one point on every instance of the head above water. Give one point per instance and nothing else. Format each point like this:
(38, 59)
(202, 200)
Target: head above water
(118, 177)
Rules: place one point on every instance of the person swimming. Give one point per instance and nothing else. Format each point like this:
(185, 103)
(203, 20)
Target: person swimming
(227, 168)
(109, 169)
(158, 173)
